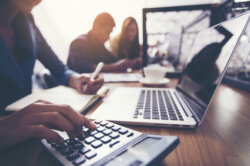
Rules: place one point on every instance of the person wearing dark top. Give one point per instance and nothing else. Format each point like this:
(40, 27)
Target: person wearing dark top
(88, 49)
(21, 44)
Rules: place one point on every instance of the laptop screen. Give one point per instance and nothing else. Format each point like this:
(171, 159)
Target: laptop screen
(207, 61)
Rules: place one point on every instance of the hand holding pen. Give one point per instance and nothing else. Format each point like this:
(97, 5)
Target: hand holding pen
(84, 83)
(94, 74)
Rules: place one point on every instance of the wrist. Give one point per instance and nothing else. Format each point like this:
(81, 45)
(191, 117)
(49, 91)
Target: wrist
(73, 80)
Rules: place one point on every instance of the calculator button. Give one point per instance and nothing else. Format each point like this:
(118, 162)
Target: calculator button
(116, 128)
(114, 135)
(90, 155)
(97, 121)
(78, 146)
(113, 144)
(107, 132)
(66, 150)
(93, 132)
(53, 144)
(130, 134)
(73, 156)
(99, 135)
(100, 129)
(84, 150)
(103, 123)
(109, 125)
(123, 131)
(96, 144)
(70, 142)
(85, 129)
(82, 136)
(59, 146)
(79, 160)
(106, 139)
(89, 140)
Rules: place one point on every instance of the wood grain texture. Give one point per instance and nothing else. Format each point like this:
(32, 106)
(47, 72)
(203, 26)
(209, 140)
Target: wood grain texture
(223, 138)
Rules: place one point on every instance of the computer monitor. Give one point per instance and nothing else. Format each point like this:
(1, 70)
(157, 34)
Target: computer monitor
(169, 32)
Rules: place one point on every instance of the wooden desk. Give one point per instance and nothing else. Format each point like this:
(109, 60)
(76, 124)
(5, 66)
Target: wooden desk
(223, 138)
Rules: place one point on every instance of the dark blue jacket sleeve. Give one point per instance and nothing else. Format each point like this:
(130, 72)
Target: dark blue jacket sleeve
(49, 59)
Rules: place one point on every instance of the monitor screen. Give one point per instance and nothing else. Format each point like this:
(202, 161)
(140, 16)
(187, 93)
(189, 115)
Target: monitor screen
(169, 32)
(207, 61)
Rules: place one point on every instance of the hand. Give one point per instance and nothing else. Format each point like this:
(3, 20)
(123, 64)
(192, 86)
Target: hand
(36, 121)
(137, 63)
(123, 65)
(79, 81)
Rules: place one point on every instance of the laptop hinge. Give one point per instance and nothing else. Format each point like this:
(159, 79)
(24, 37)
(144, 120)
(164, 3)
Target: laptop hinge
(186, 107)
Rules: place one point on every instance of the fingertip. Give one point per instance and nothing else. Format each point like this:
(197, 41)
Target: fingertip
(60, 140)
(92, 125)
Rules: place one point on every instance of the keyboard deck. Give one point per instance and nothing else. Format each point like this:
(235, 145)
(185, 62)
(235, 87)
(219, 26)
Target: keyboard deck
(157, 104)
(92, 145)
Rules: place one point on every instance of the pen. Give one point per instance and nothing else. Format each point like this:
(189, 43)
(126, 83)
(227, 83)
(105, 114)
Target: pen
(94, 74)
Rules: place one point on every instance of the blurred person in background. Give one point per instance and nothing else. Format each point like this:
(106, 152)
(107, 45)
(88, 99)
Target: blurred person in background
(126, 44)
(87, 50)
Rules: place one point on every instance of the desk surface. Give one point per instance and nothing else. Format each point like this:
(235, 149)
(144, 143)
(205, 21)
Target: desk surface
(223, 138)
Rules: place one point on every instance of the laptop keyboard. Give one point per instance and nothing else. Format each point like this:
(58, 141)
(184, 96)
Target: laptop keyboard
(157, 104)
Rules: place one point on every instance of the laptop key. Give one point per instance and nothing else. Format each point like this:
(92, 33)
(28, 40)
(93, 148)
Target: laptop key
(164, 117)
(156, 116)
(173, 117)
(146, 115)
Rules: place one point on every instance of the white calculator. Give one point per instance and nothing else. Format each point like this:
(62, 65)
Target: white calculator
(111, 145)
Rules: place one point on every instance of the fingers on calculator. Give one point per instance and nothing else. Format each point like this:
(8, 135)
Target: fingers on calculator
(92, 145)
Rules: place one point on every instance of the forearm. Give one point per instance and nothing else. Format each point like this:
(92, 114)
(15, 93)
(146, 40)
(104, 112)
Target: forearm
(109, 68)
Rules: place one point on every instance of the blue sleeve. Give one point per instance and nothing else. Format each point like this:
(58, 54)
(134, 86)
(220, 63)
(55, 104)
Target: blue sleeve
(79, 56)
(49, 59)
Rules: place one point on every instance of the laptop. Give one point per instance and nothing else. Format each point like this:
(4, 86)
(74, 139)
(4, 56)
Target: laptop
(186, 105)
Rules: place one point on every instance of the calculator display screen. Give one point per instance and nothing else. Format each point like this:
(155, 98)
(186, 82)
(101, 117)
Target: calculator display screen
(134, 154)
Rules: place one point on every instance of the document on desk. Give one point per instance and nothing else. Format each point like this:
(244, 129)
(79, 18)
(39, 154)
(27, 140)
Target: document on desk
(121, 77)
(57, 95)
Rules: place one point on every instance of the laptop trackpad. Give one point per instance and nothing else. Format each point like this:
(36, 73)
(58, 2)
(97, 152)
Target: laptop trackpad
(120, 104)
